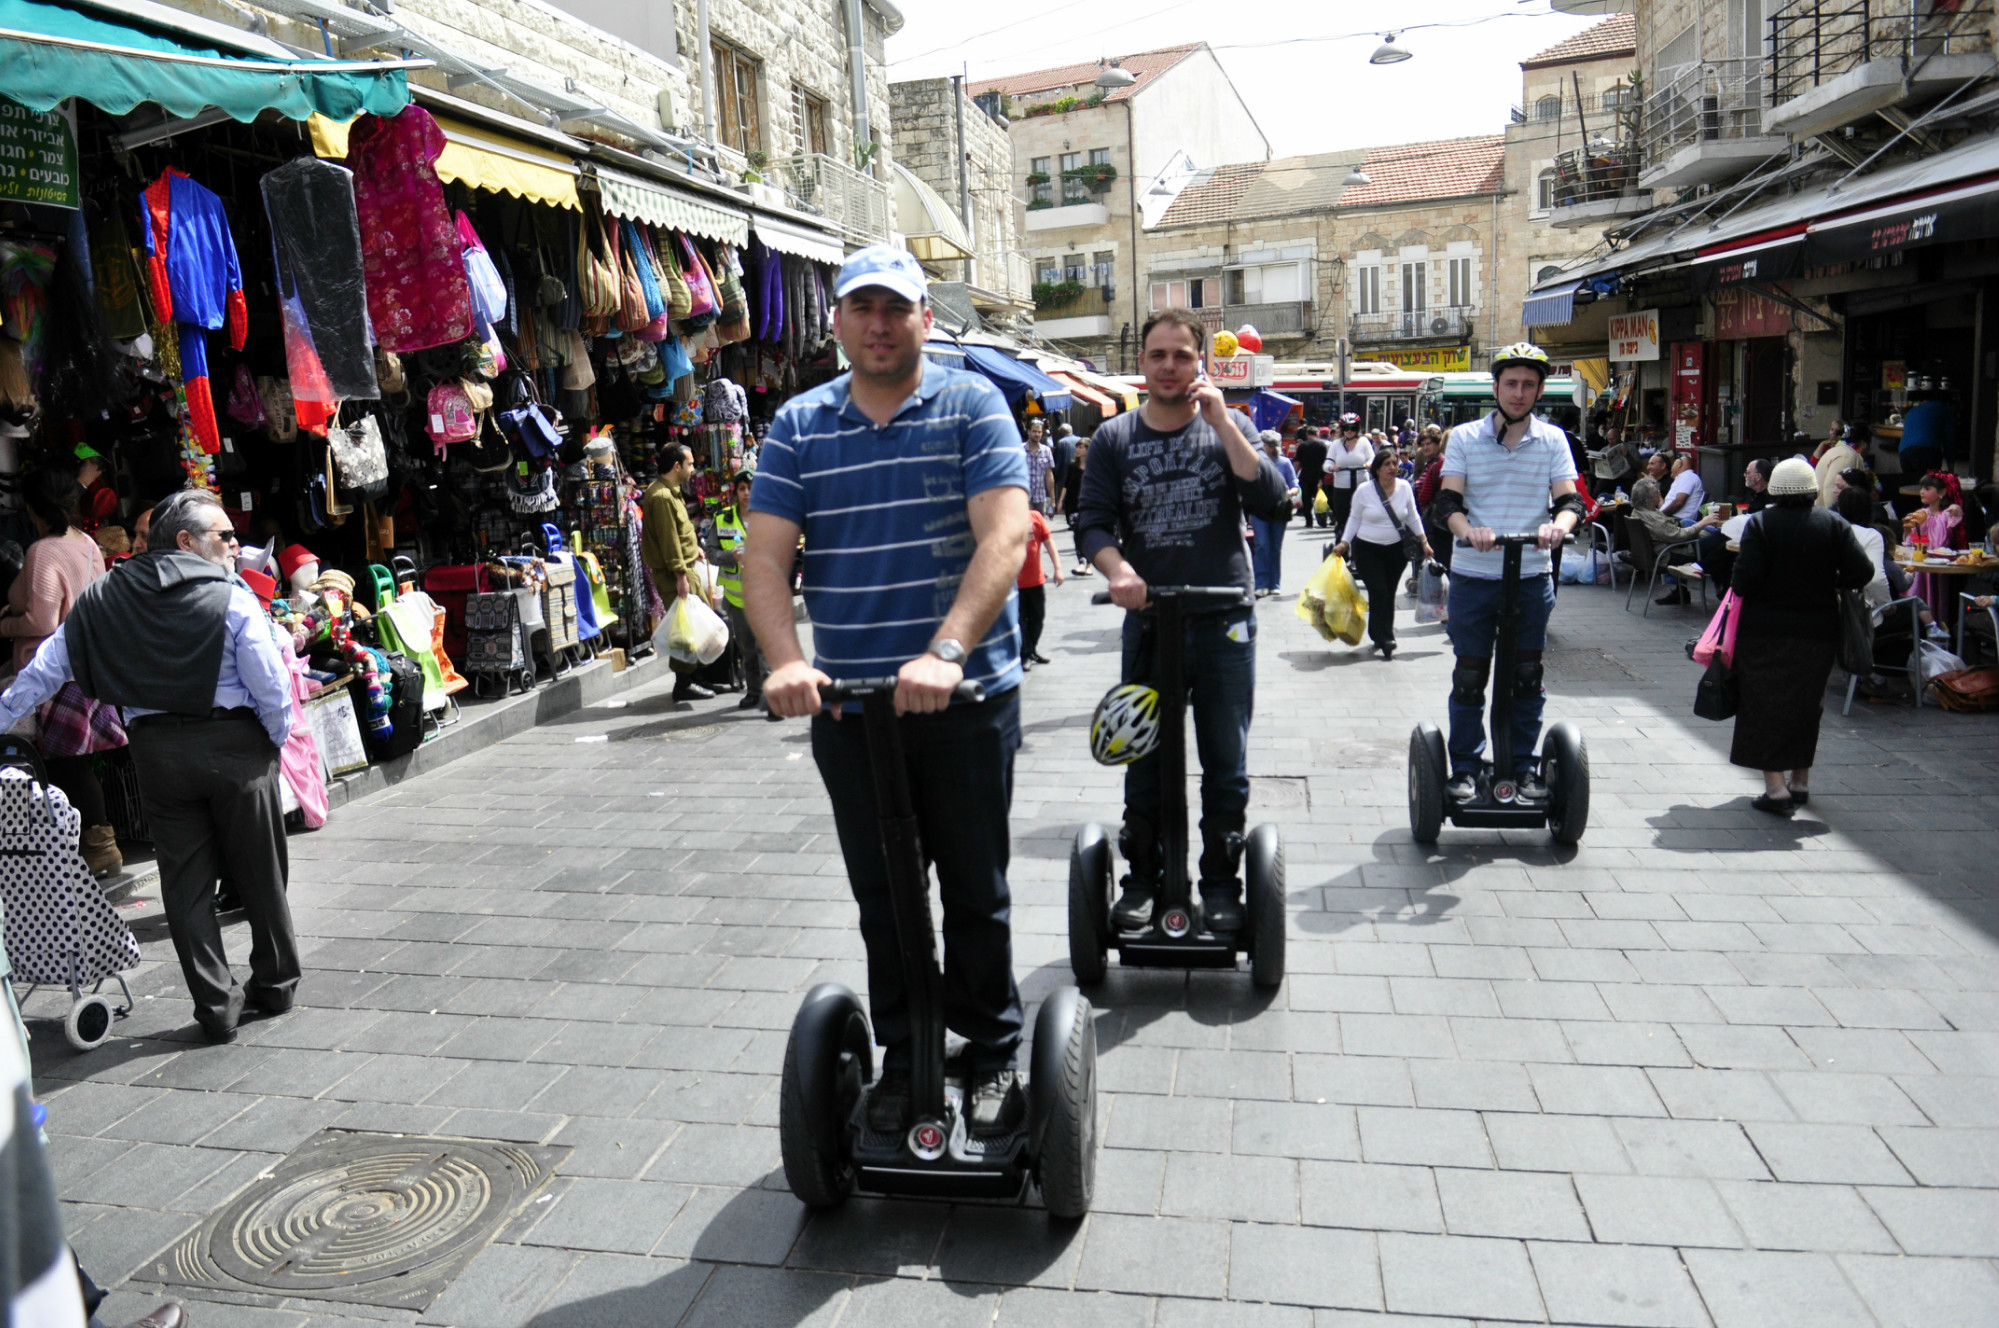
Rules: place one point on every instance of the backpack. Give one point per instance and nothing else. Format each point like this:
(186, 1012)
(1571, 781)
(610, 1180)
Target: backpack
(405, 730)
(452, 419)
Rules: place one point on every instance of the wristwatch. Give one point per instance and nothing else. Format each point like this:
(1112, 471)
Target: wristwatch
(951, 652)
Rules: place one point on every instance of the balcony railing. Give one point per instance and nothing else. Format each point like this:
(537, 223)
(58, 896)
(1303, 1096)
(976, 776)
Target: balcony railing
(1715, 99)
(1413, 325)
(1590, 175)
(1610, 102)
(857, 202)
(1288, 318)
(1818, 40)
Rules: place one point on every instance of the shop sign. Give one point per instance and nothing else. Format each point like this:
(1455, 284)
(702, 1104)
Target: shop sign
(1894, 375)
(37, 156)
(1244, 371)
(1741, 313)
(1441, 359)
(1635, 336)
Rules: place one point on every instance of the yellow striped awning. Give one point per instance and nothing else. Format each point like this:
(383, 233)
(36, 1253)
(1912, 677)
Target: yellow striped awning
(481, 159)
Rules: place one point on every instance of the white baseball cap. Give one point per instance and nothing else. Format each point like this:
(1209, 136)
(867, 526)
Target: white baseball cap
(884, 266)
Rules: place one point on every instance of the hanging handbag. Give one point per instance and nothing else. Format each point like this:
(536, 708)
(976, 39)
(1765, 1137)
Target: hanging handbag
(680, 300)
(1715, 697)
(597, 280)
(1412, 543)
(1719, 638)
(1856, 634)
(358, 454)
(632, 312)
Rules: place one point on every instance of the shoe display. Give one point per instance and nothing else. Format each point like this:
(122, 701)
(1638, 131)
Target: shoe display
(1462, 788)
(888, 1104)
(1221, 905)
(1134, 906)
(99, 845)
(692, 691)
(996, 1105)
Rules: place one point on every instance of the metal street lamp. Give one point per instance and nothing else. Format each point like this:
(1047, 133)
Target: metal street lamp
(1111, 76)
(1388, 53)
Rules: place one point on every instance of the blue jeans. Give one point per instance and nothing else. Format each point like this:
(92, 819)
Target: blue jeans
(1473, 629)
(1266, 553)
(1220, 672)
(960, 765)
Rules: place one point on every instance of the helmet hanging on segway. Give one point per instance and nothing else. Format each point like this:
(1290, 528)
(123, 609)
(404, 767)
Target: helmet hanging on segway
(1125, 727)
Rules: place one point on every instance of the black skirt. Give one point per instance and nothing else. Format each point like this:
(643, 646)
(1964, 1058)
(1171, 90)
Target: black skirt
(1780, 697)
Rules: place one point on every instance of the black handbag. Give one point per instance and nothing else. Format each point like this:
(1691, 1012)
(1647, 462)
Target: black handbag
(1856, 634)
(1715, 697)
(1412, 543)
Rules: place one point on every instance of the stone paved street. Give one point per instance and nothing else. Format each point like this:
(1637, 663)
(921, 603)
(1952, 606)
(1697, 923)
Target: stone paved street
(1709, 1069)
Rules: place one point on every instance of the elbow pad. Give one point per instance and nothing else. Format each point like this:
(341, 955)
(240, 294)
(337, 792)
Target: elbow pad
(1569, 502)
(1446, 504)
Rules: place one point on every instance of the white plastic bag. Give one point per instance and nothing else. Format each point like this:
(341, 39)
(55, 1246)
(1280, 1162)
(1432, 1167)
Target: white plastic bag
(691, 632)
(1579, 565)
(1933, 660)
(1433, 592)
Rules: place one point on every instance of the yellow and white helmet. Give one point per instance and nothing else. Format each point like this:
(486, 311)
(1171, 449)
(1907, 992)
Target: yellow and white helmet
(1125, 727)
(1523, 353)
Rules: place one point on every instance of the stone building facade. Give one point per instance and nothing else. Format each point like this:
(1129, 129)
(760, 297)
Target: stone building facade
(978, 188)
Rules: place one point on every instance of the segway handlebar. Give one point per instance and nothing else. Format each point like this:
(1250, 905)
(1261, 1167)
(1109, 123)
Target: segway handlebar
(860, 689)
(1528, 538)
(1182, 592)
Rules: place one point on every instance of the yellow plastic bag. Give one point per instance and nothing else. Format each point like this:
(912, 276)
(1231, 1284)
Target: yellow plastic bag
(1312, 600)
(1346, 605)
(1320, 505)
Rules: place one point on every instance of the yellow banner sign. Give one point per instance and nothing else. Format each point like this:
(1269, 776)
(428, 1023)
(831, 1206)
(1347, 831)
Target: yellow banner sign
(1443, 359)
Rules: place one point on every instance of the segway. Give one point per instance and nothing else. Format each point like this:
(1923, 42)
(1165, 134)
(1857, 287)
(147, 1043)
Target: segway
(829, 1149)
(1497, 802)
(1177, 936)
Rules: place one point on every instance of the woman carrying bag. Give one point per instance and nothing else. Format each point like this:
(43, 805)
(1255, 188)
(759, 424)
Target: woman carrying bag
(1796, 557)
(1383, 530)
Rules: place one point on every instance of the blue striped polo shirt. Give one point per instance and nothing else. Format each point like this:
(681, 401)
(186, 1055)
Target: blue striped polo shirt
(887, 533)
(1506, 488)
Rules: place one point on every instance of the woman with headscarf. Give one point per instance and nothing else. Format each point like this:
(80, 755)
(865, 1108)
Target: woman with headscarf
(1796, 556)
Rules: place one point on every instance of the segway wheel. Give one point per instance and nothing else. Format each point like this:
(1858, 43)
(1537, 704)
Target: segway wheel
(1426, 783)
(1063, 1092)
(89, 1022)
(1565, 769)
(827, 1061)
(1089, 904)
(1263, 869)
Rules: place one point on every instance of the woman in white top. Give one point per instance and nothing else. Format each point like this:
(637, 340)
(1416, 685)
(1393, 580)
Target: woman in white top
(1347, 459)
(1383, 507)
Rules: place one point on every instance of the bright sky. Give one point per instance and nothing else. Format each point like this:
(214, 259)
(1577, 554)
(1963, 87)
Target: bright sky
(1301, 65)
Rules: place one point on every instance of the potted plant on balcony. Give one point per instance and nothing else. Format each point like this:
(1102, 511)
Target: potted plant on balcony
(1097, 175)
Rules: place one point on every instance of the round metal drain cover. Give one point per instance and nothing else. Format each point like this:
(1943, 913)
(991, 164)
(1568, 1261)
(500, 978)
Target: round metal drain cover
(363, 1218)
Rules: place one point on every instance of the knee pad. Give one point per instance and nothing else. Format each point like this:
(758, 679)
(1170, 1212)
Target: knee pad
(1527, 678)
(1468, 681)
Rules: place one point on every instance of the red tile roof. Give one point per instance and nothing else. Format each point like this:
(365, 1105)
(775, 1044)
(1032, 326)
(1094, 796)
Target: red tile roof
(1447, 168)
(1142, 66)
(1616, 35)
(1215, 197)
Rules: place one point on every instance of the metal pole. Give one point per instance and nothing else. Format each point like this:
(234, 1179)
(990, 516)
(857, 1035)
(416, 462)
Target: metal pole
(707, 64)
(964, 171)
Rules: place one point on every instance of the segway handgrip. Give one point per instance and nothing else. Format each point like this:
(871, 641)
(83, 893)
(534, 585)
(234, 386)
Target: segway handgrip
(860, 689)
(1530, 537)
(1181, 592)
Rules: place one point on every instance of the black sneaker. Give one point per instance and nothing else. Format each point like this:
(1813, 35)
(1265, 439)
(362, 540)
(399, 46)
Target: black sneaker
(1221, 906)
(888, 1103)
(1037, 657)
(997, 1104)
(1134, 906)
(1462, 788)
(750, 701)
(1531, 787)
(692, 691)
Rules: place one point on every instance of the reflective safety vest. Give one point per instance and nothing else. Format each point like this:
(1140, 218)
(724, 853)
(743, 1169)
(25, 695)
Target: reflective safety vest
(730, 533)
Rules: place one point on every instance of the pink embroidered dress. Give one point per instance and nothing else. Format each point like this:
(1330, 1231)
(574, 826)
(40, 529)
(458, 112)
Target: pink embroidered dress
(1943, 531)
(417, 293)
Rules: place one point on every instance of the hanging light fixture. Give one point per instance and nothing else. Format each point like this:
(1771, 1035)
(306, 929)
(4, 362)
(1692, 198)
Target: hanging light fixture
(1388, 53)
(1111, 75)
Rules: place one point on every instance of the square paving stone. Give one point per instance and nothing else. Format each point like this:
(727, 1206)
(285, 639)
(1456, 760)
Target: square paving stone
(903, 1303)
(1237, 1075)
(1925, 1293)
(1010, 1247)
(1303, 1266)
(1756, 1289)
(1934, 1157)
(1244, 1189)
(1506, 1203)
(588, 1090)
(1171, 1313)
(1457, 1275)
(1420, 1137)
(617, 1291)
(1826, 1218)
(618, 1216)
(1168, 1256)
(493, 1086)
(1374, 1080)
(1860, 1099)
(178, 1117)
(1657, 1210)
(718, 1155)
(1555, 1143)
(1830, 1154)
(1296, 1129)
(1368, 1197)
(1644, 1288)
(1930, 1221)
(1085, 1309)
(734, 1297)
(1595, 1090)
(1690, 1148)
(735, 1226)
(1473, 1085)
(1139, 1120)
(613, 1149)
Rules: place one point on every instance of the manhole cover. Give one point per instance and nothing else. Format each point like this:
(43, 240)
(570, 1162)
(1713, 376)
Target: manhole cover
(1587, 666)
(368, 1219)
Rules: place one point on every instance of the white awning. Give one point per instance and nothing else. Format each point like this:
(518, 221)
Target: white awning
(643, 200)
(789, 238)
(930, 228)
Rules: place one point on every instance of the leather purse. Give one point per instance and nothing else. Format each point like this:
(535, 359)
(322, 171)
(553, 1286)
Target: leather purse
(1715, 697)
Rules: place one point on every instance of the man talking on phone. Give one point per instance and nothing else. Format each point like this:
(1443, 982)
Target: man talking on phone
(1162, 504)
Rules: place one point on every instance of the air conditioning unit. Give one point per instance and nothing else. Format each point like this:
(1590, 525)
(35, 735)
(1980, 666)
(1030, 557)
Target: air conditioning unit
(1439, 326)
(672, 115)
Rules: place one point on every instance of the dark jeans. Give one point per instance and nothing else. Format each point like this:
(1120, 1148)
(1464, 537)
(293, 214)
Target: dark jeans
(754, 668)
(1267, 553)
(960, 765)
(1379, 567)
(1033, 616)
(1473, 629)
(1339, 502)
(1219, 666)
(210, 789)
(1308, 495)
(1715, 559)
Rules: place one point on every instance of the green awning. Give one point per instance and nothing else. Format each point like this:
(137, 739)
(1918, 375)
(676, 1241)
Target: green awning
(49, 53)
(642, 200)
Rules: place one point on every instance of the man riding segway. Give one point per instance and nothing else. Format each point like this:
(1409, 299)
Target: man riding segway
(1507, 472)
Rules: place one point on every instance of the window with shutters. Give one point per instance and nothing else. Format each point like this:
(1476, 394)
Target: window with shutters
(1415, 287)
(1075, 269)
(1459, 280)
(737, 120)
(1040, 190)
(1073, 189)
(1103, 267)
(1544, 189)
(1047, 272)
(1169, 294)
(1367, 290)
(808, 122)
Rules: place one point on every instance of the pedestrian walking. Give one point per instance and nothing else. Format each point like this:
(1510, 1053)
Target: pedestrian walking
(1062, 452)
(183, 646)
(1310, 462)
(1383, 523)
(1267, 553)
(1040, 470)
(71, 727)
(1346, 466)
(1163, 503)
(1072, 499)
(910, 486)
(1795, 557)
(723, 543)
(670, 550)
(1032, 587)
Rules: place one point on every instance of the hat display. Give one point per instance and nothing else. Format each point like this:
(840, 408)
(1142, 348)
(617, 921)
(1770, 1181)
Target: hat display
(1794, 475)
(294, 557)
